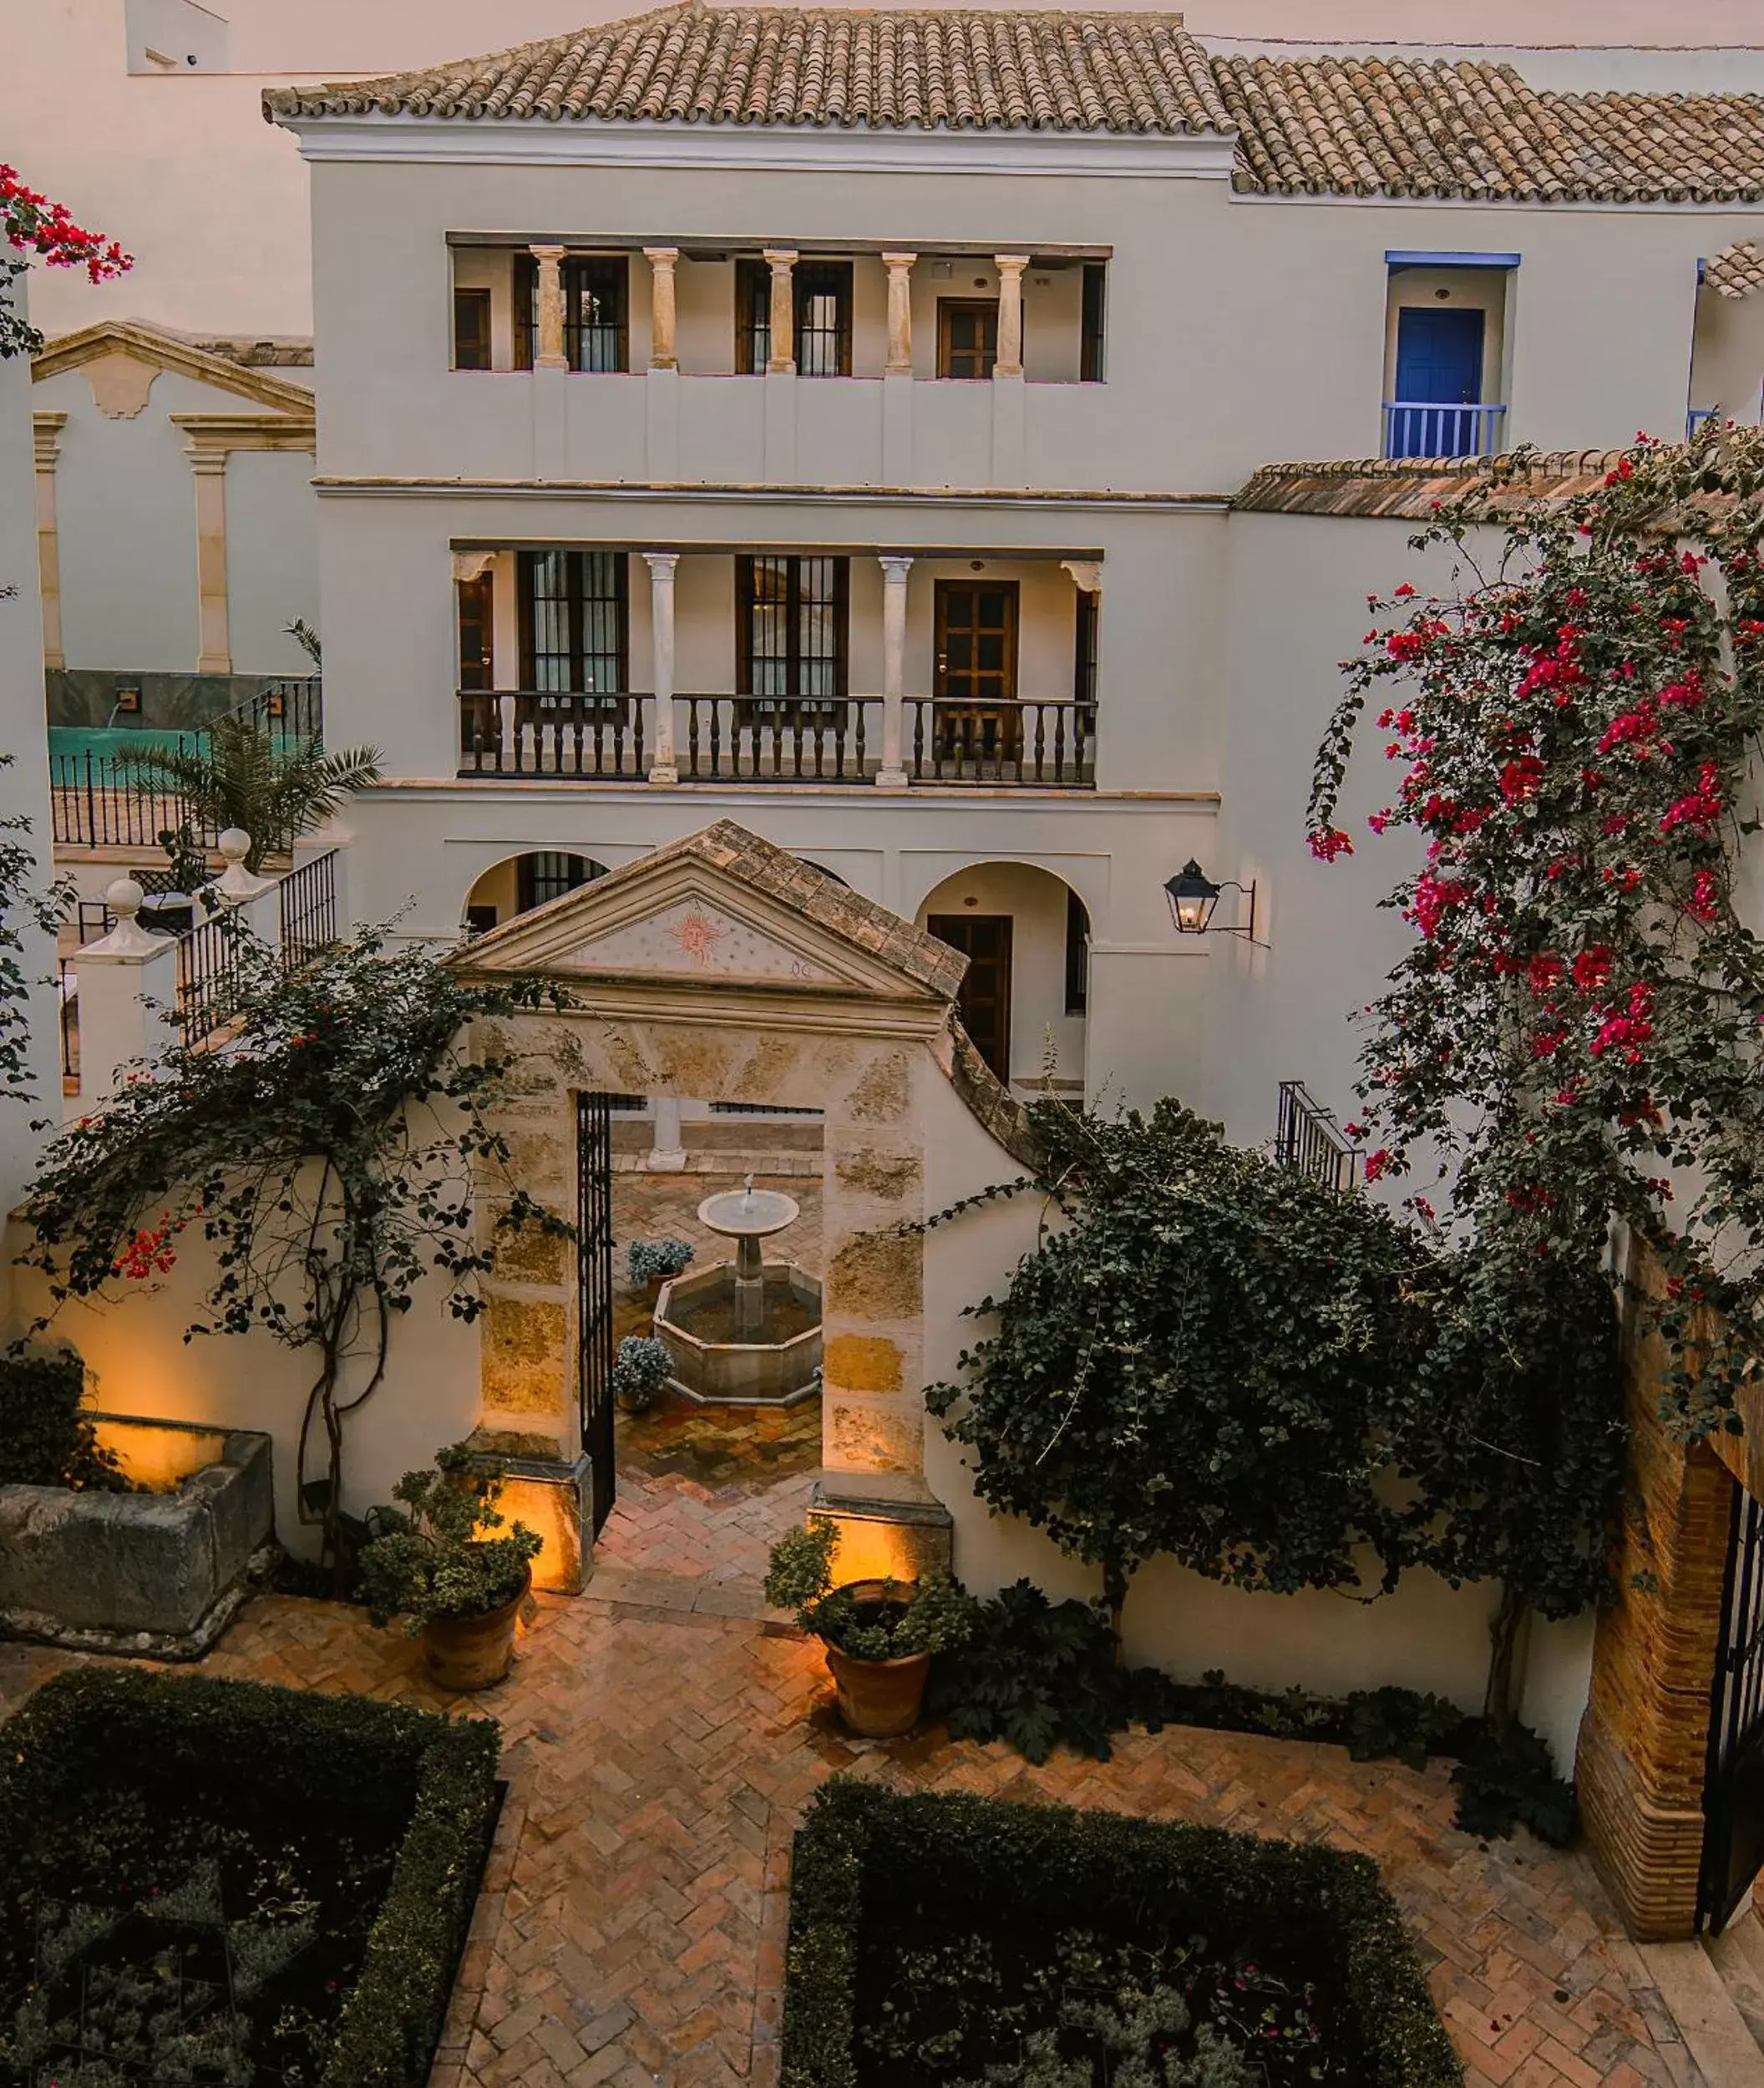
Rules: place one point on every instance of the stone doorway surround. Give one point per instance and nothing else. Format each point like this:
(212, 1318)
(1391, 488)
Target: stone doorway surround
(723, 967)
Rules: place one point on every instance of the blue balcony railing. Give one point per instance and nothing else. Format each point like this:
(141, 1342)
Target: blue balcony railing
(1695, 418)
(1415, 427)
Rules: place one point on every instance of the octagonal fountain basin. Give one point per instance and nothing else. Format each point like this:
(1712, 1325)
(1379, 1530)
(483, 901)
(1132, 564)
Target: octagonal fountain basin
(715, 1364)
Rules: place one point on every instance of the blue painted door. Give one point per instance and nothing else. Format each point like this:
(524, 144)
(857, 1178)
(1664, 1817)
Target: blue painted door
(1439, 366)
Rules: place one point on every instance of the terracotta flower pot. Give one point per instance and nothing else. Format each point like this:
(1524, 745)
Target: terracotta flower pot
(474, 1653)
(879, 1700)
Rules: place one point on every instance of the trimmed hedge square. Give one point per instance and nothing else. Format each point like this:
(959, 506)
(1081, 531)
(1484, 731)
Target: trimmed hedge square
(426, 1783)
(869, 1863)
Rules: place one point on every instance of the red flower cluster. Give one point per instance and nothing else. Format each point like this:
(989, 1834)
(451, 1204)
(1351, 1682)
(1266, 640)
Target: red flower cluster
(1330, 843)
(147, 1254)
(32, 224)
(1700, 809)
(1627, 1032)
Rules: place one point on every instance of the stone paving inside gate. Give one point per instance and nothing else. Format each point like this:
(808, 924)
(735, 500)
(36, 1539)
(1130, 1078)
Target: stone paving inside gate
(661, 1736)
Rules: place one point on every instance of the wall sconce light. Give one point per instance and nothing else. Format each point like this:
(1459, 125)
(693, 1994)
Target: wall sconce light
(1193, 899)
(128, 702)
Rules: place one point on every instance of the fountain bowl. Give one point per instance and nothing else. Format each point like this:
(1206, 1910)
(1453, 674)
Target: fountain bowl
(695, 1314)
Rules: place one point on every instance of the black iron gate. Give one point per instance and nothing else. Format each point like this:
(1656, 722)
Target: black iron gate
(1733, 1790)
(593, 1263)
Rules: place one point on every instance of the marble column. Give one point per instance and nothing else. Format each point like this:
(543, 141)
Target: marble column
(1010, 267)
(667, 1146)
(782, 261)
(662, 769)
(892, 774)
(899, 361)
(664, 352)
(549, 349)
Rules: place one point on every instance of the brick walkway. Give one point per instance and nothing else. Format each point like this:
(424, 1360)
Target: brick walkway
(659, 1750)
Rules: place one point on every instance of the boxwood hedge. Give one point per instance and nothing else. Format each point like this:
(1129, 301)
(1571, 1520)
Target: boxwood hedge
(434, 1777)
(865, 1856)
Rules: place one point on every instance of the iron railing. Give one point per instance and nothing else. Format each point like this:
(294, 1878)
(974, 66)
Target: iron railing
(609, 738)
(1038, 744)
(96, 801)
(1308, 1140)
(292, 708)
(211, 976)
(1416, 427)
(308, 902)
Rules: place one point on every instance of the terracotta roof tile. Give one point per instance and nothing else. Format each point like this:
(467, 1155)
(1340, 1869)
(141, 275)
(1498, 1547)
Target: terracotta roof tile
(1410, 488)
(1326, 124)
(693, 63)
(1736, 271)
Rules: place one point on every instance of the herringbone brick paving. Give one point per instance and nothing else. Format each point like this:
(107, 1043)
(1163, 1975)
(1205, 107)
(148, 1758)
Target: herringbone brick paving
(631, 1932)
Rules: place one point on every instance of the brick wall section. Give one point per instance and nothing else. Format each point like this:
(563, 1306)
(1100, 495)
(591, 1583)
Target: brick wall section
(1644, 1738)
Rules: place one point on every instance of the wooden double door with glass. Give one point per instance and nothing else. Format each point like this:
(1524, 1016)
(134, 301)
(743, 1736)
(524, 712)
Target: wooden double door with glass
(975, 682)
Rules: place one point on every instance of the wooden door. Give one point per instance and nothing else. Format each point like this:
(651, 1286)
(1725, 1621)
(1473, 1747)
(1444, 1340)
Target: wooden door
(975, 683)
(967, 336)
(984, 1000)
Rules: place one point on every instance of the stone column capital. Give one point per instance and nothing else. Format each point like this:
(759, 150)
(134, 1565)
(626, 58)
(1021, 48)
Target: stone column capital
(662, 256)
(1086, 574)
(46, 433)
(896, 261)
(782, 259)
(896, 566)
(548, 253)
(1010, 264)
(662, 565)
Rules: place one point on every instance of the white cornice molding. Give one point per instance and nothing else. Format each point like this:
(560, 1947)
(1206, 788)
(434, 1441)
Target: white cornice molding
(331, 486)
(758, 148)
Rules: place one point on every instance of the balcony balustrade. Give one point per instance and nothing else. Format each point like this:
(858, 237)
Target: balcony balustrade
(1415, 427)
(740, 740)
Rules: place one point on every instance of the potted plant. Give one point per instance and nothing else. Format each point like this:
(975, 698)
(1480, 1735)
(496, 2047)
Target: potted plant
(653, 1262)
(879, 1634)
(460, 1589)
(641, 1367)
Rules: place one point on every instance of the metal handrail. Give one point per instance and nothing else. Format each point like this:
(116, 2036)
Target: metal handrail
(1425, 429)
(1308, 1141)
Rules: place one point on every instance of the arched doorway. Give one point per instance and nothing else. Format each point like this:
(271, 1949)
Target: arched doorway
(520, 883)
(1024, 998)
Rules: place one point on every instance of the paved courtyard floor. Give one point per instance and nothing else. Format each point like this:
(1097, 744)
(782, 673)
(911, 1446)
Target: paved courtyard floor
(661, 1736)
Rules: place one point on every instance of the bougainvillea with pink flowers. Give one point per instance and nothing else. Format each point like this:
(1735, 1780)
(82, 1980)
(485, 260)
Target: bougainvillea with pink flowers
(1576, 1040)
(33, 224)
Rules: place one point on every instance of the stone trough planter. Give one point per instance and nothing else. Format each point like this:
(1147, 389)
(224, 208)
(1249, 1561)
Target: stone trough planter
(160, 1572)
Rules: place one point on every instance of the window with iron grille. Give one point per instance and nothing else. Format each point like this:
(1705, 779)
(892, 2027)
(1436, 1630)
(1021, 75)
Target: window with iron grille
(752, 317)
(821, 301)
(575, 621)
(1090, 339)
(793, 622)
(596, 307)
(548, 874)
(822, 304)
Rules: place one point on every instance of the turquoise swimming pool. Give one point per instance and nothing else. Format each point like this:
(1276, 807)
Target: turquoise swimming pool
(105, 742)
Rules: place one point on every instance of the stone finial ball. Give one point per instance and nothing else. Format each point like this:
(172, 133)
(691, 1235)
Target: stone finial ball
(235, 843)
(123, 897)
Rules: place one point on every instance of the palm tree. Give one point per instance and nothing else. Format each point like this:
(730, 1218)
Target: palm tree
(239, 776)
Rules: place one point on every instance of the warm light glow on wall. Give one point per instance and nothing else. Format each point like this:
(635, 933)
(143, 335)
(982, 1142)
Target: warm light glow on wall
(160, 1459)
(869, 1549)
(551, 1510)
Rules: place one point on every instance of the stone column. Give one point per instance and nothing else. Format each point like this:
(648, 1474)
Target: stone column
(667, 1146)
(663, 351)
(208, 466)
(899, 361)
(892, 774)
(548, 350)
(47, 428)
(1010, 360)
(663, 770)
(782, 261)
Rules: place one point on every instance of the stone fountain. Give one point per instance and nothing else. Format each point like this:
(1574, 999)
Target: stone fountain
(745, 1333)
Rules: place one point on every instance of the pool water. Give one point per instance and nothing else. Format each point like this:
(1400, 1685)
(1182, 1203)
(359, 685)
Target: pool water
(105, 742)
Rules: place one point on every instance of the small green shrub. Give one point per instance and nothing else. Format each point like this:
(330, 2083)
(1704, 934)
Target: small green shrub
(887, 1620)
(433, 1562)
(46, 1438)
(875, 1874)
(640, 1370)
(432, 1781)
(651, 1259)
(1039, 1674)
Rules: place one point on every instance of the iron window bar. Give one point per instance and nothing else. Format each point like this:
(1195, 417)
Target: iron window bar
(1308, 1141)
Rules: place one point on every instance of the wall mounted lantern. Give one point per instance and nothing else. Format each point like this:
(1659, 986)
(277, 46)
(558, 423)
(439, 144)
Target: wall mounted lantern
(1193, 899)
